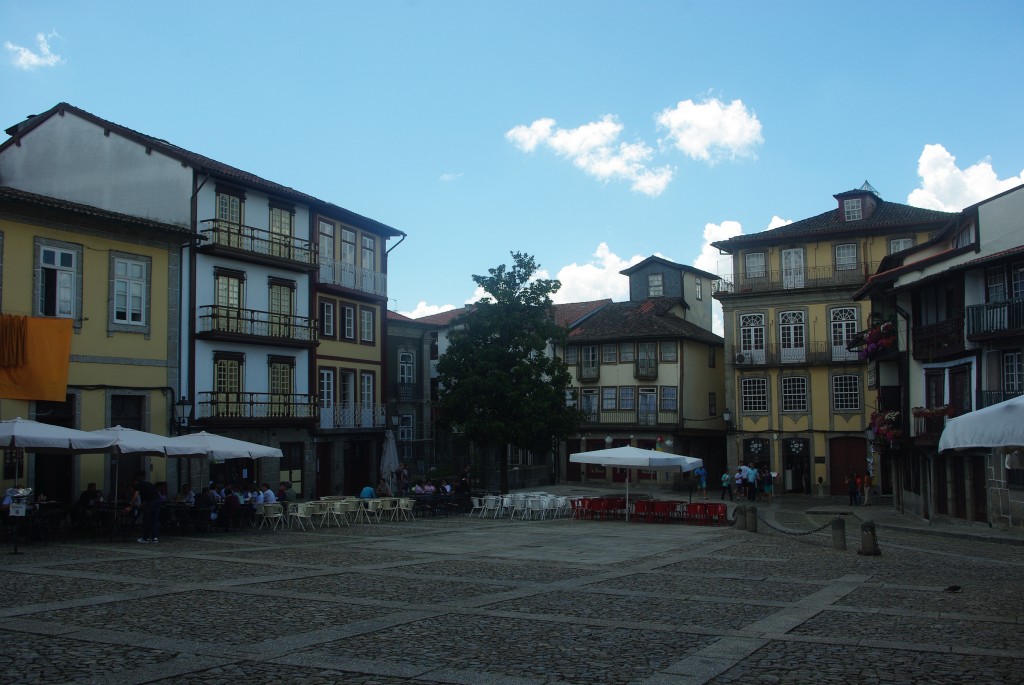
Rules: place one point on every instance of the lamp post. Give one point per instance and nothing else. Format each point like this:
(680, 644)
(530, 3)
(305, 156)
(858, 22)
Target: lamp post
(182, 415)
(727, 417)
(607, 441)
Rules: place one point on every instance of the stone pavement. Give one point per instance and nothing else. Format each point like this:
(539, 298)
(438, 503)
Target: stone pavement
(481, 602)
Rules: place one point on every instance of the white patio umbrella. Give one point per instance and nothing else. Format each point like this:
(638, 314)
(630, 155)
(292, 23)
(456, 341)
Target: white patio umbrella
(218, 447)
(998, 425)
(44, 437)
(389, 460)
(131, 441)
(629, 457)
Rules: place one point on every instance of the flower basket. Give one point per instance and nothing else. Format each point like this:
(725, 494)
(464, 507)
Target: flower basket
(932, 412)
(886, 425)
(878, 340)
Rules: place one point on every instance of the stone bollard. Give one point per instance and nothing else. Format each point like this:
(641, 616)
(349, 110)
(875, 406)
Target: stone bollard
(752, 519)
(839, 534)
(740, 516)
(868, 541)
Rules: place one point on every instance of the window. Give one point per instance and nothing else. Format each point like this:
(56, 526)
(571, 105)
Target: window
(852, 209)
(405, 427)
(711, 356)
(900, 244)
(326, 319)
(589, 365)
(712, 404)
(608, 397)
(647, 414)
(405, 369)
(366, 325)
(348, 258)
(229, 207)
(58, 281)
(229, 291)
(794, 393)
(792, 336)
(627, 398)
(281, 384)
(626, 352)
(669, 395)
(281, 297)
(128, 411)
(752, 338)
(846, 256)
(844, 326)
(572, 355)
(281, 221)
(350, 322)
(669, 352)
(655, 285)
(129, 291)
(754, 264)
(965, 236)
(1017, 280)
(754, 394)
(588, 403)
(845, 393)
(608, 353)
(646, 363)
(366, 389)
(995, 284)
(326, 388)
(1012, 373)
(369, 262)
(227, 384)
(698, 288)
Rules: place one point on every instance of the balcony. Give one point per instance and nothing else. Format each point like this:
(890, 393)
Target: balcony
(257, 244)
(790, 279)
(594, 418)
(990, 397)
(937, 340)
(588, 371)
(407, 392)
(995, 320)
(813, 352)
(353, 416)
(927, 429)
(345, 275)
(645, 369)
(243, 407)
(214, 322)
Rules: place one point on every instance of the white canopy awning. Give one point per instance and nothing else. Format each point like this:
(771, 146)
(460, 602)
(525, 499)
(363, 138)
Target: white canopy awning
(1000, 425)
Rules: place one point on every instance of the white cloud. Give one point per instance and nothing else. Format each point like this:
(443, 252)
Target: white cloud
(448, 178)
(595, 149)
(710, 131)
(597, 279)
(423, 309)
(946, 187)
(24, 58)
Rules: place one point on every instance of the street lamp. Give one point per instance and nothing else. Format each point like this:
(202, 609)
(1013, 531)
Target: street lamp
(182, 414)
(607, 441)
(727, 417)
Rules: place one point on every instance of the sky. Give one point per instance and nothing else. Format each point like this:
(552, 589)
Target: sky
(589, 134)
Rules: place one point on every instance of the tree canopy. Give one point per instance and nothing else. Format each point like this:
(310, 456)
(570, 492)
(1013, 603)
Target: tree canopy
(498, 383)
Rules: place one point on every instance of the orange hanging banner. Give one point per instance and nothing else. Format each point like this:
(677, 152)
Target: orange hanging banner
(43, 375)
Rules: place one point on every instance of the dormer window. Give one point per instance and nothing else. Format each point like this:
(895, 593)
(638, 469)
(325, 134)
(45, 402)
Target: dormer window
(655, 285)
(852, 209)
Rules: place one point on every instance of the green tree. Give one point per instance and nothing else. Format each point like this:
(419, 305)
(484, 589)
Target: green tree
(498, 384)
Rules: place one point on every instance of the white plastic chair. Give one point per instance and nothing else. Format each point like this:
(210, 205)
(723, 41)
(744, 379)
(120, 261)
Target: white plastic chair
(299, 514)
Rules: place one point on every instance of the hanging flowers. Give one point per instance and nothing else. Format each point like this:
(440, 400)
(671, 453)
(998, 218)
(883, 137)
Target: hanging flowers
(932, 412)
(878, 340)
(886, 425)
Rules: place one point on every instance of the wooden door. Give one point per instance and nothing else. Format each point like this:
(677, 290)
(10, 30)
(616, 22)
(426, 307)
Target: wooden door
(846, 455)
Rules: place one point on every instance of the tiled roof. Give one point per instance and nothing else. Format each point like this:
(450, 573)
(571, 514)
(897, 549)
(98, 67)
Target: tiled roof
(887, 216)
(654, 259)
(204, 164)
(568, 313)
(52, 203)
(442, 318)
(395, 316)
(650, 318)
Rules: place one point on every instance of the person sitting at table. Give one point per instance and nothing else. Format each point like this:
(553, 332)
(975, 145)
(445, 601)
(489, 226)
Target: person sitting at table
(367, 493)
(446, 488)
(382, 489)
(188, 495)
(429, 487)
(90, 496)
(268, 495)
(418, 488)
(256, 497)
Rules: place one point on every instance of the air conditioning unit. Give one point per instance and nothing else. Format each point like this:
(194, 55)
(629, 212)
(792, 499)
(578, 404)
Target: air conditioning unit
(740, 358)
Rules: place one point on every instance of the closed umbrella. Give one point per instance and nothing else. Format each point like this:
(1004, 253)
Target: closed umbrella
(389, 460)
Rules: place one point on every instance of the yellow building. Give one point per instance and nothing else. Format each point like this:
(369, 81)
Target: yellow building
(799, 400)
(116, 278)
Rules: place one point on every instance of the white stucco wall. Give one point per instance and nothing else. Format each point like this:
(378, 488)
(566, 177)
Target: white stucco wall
(71, 158)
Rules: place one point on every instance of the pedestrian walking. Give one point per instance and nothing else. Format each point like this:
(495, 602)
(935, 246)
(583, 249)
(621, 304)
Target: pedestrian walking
(726, 486)
(149, 498)
(702, 481)
(851, 487)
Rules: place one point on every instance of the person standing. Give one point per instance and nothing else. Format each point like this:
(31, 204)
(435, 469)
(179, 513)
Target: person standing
(726, 486)
(701, 474)
(751, 483)
(851, 488)
(149, 499)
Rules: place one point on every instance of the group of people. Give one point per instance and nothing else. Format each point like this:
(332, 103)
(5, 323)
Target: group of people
(750, 482)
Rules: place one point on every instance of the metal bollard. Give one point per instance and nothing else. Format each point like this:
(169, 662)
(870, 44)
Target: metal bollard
(752, 519)
(740, 516)
(868, 540)
(839, 534)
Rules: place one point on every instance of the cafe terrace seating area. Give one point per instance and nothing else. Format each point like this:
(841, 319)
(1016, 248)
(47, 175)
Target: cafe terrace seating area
(534, 506)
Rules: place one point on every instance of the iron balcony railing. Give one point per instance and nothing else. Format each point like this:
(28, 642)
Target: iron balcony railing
(938, 339)
(407, 392)
(257, 241)
(336, 272)
(630, 417)
(811, 352)
(645, 369)
(216, 319)
(990, 397)
(788, 279)
(995, 319)
(255, 405)
(929, 428)
(351, 415)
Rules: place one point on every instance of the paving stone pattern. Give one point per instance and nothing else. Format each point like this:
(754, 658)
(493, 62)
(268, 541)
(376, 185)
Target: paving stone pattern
(459, 600)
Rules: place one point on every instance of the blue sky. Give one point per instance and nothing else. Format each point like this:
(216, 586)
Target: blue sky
(588, 134)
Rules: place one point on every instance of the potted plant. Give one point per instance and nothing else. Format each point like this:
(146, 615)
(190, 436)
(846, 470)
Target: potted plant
(878, 340)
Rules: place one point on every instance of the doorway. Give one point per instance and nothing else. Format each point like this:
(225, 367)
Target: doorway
(846, 455)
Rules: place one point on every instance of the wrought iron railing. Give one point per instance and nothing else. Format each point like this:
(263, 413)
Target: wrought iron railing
(811, 352)
(253, 322)
(336, 272)
(990, 397)
(257, 241)
(645, 369)
(788, 279)
(995, 318)
(938, 339)
(255, 405)
(349, 415)
(630, 417)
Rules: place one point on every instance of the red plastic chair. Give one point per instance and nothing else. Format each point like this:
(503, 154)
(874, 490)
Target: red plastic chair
(718, 514)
